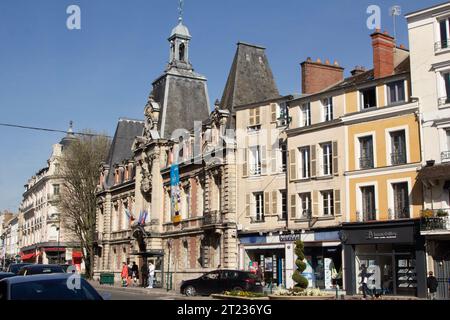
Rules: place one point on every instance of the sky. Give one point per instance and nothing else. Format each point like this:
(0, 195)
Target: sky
(50, 75)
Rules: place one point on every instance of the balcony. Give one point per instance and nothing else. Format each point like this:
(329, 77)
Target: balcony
(28, 208)
(53, 197)
(366, 163)
(211, 219)
(441, 45)
(435, 221)
(258, 219)
(398, 158)
(121, 235)
(445, 156)
(443, 101)
(255, 170)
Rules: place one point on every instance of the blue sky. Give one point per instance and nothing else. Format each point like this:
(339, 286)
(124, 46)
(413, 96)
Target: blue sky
(50, 75)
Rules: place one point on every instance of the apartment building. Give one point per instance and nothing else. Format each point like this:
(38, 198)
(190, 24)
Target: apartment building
(429, 33)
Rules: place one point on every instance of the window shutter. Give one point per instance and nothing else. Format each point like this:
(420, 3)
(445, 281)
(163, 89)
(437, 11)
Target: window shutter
(251, 117)
(247, 205)
(274, 161)
(335, 158)
(257, 113)
(266, 203)
(245, 158)
(274, 202)
(273, 111)
(313, 161)
(337, 202)
(315, 205)
(293, 206)
(293, 164)
(263, 159)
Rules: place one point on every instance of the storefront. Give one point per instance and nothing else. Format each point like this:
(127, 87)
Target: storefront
(393, 252)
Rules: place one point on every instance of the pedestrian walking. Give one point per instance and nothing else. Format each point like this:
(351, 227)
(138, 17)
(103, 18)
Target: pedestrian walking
(135, 273)
(144, 272)
(364, 281)
(130, 274)
(151, 275)
(124, 274)
(432, 285)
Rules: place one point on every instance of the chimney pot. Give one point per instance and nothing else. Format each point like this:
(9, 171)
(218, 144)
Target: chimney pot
(308, 59)
(318, 60)
(317, 76)
(336, 63)
(327, 61)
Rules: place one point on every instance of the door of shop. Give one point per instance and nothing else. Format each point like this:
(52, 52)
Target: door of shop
(442, 270)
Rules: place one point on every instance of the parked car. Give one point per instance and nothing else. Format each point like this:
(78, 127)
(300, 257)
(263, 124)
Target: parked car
(220, 281)
(66, 266)
(15, 267)
(46, 287)
(34, 269)
(4, 275)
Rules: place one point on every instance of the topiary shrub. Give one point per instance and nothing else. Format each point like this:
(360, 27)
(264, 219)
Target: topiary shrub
(299, 279)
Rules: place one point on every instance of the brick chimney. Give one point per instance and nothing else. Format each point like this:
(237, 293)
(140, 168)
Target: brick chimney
(383, 54)
(317, 76)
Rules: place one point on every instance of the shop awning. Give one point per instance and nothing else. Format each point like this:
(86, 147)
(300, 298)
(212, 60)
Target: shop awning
(436, 172)
(27, 256)
(54, 249)
(77, 255)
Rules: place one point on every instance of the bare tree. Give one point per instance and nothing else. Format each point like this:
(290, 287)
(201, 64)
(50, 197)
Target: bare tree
(79, 169)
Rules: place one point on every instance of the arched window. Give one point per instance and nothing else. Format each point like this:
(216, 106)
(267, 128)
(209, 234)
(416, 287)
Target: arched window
(182, 52)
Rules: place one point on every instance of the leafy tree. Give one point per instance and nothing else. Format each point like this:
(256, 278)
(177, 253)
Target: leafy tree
(299, 279)
(79, 169)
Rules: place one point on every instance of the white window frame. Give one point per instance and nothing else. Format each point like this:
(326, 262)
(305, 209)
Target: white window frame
(361, 97)
(280, 202)
(390, 190)
(388, 132)
(302, 163)
(438, 31)
(322, 207)
(330, 158)
(257, 195)
(300, 197)
(255, 160)
(305, 121)
(327, 108)
(359, 201)
(387, 93)
(357, 145)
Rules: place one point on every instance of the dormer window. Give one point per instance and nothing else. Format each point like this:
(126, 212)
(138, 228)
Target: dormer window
(368, 98)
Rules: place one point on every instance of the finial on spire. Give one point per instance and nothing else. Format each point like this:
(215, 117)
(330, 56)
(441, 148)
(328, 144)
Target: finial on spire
(70, 127)
(180, 10)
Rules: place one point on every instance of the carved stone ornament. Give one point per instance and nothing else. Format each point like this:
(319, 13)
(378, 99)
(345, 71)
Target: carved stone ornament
(146, 172)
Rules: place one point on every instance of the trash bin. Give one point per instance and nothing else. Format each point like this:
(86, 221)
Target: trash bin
(107, 278)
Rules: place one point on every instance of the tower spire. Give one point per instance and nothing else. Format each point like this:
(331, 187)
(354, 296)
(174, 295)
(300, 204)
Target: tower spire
(180, 11)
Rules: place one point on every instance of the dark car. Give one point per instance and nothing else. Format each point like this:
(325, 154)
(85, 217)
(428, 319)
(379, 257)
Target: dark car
(15, 267)
(220, 281)
(4, 275)
(66, 267)
(40, 269)
(47, 287)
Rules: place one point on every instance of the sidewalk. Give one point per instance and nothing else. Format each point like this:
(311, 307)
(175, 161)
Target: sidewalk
(139, 290)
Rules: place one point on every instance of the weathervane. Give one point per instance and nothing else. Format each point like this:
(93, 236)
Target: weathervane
(180, 10)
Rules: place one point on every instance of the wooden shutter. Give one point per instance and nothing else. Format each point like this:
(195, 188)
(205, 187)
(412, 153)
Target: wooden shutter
(315, 203)
(251, 117)
(335, 158)
(293, 206)
(247, 205)
(337, 202)
(266, 203)
(273, 112)
(274, 161)
(274, 202)
(263, 159)
(257, 113)
(313, 160)
(293, 164)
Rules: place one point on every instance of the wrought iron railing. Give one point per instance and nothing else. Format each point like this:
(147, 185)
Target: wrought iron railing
(398, 158)
(445, 156)
(443, 101)
(366, 216)
(212, 218)
(402, 214)
(441, 45)
(366, 162)
(435, 220)
(259, 218)
(255, 170)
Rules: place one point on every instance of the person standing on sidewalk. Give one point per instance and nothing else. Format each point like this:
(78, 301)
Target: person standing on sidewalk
(432, 285)
(144, 273)
(135, 273)
(124, 274)
(364, 281)
(151, 275)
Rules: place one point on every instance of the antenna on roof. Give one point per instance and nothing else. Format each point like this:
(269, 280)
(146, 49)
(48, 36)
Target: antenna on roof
(395, 11)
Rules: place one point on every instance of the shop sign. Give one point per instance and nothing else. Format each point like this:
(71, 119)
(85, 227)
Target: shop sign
(290, 237)
(372, 235)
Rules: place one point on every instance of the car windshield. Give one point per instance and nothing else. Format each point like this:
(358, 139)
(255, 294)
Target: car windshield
(56, 289)
(14, 268)
(52, 269)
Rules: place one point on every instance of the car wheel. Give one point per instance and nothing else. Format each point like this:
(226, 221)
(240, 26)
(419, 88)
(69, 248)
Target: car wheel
(190, 291)
(238, 289)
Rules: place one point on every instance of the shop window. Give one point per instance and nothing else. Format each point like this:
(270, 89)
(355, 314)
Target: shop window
(396, 92)
(368, 98)
(327, 203)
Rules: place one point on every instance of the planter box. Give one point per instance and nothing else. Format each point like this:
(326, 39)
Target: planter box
(225, 297)
(327, 297)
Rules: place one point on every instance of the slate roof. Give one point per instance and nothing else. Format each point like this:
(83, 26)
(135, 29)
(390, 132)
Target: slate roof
(120, 150)
(250, 79)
